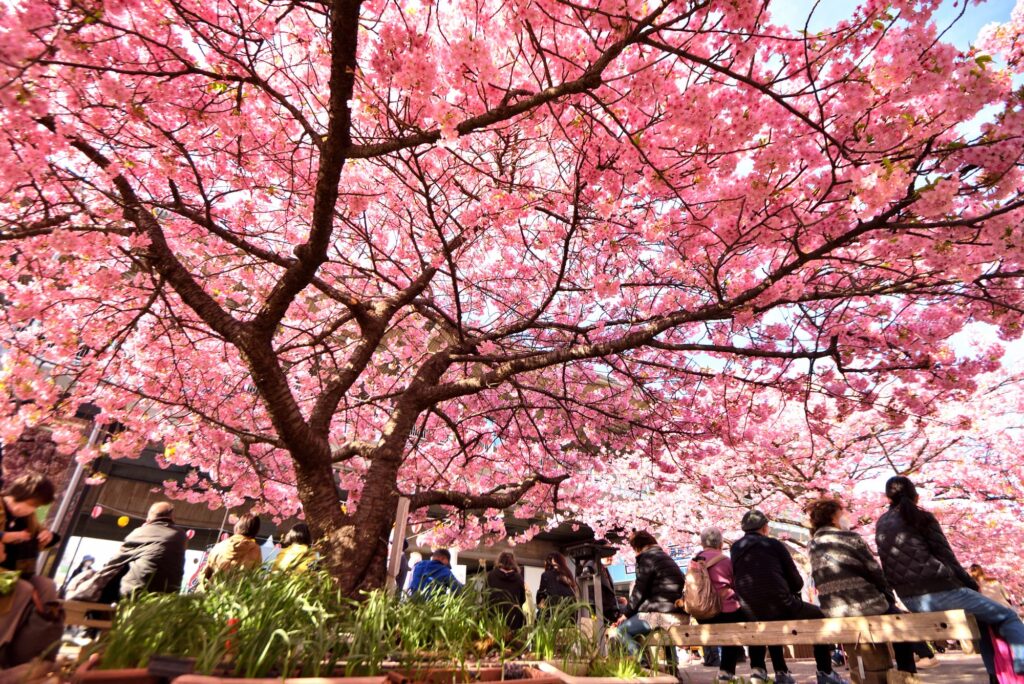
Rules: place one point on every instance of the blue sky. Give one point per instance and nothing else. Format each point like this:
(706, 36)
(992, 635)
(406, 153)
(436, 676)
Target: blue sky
(962, 33)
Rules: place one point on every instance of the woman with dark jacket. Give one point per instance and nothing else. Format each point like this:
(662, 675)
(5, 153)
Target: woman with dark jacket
(846, 575)
(658, 585)
(507, 591)
(556, 583)
(921, 566)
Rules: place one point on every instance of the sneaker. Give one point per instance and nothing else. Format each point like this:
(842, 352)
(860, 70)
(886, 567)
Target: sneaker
(830, 678)
(726, 678)
(758, 676)
(784, 678)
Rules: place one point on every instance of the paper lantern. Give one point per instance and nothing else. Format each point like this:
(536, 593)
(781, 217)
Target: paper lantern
(189, 534)
(123, 521)
(96, 512)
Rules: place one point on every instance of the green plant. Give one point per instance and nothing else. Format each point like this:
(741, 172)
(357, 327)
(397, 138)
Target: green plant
(616, 665)
(252, 624)
(372, 632)
(555, 634)
(152, 624)
(259, 625)
(439, 629)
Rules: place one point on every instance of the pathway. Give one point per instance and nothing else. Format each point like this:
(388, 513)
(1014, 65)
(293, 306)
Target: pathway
(952, 668)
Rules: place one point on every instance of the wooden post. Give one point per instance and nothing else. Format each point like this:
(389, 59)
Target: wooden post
(869, 663)
(397, 544)
(63, 521)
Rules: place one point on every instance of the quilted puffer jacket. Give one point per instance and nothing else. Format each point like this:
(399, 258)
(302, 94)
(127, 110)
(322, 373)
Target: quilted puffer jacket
(659, 584)
(918, 562)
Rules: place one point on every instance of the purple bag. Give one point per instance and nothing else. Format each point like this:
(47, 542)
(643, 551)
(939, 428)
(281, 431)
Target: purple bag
(1004, 660)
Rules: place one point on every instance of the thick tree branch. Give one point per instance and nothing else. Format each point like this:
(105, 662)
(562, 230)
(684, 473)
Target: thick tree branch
(311, 254)
(500, 497)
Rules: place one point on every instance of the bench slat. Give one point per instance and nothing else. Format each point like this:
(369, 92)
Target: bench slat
(88, 605)
(97, 624)
(75, 614)
(879, 629)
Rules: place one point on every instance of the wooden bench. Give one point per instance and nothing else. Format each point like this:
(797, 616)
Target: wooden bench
(856, 633)
(75, 615)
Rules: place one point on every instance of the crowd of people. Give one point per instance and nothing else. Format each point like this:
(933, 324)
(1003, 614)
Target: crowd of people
(758, 579)
(151, 558)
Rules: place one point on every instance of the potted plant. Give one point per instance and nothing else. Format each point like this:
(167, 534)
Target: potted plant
(246, 626)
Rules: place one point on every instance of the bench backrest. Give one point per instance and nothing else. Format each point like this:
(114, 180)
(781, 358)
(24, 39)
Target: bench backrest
(876, 629)
(75, 614)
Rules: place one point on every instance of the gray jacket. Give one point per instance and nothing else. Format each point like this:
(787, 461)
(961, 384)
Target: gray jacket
(152, 558)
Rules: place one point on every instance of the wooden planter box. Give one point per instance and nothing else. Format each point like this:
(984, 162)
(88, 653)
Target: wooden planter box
(453, 675)
(210, 679)
(427, 676)
(88, 674)
(84, 675)
(565, 678)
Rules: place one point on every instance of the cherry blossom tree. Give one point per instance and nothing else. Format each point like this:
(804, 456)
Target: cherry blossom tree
(963, 449)
(471, 253)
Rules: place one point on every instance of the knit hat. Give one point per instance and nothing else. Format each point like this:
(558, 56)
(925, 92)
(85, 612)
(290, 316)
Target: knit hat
(753, 520)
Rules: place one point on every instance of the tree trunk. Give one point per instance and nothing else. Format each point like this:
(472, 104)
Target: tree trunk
(354, 547)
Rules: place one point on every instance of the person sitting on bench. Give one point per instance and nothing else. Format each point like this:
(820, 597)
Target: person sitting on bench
(152, 558)
(767, 579)
(920, 565)
(721, 574)
(846, 575)
(659, 583)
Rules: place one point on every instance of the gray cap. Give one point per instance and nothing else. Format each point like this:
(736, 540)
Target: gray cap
(753, 520)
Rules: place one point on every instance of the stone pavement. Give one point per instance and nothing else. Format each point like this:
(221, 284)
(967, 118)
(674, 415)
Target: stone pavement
(953, 668)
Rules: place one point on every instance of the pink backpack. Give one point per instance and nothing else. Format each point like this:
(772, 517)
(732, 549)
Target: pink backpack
(700, 597)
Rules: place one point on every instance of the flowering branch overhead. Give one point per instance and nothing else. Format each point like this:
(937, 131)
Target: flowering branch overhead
(355, 249)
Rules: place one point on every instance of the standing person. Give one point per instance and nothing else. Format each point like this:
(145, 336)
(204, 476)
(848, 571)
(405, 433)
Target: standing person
(658, 585)
(434, 574)
(990, 586)
(80, 574)
(921, 566)
(767, 579)
(31, 619)
(507, 590)
(556, 583)
(720, 571)
(240, 551)
(847, 576)
(23, 537)
(296, 554)
(609, 605)
(152, 558)
(403, 567)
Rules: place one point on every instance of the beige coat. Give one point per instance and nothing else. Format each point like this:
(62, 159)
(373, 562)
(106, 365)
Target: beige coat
(234, 553)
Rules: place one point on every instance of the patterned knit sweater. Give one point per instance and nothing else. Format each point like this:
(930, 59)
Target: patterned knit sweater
(846, 575)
